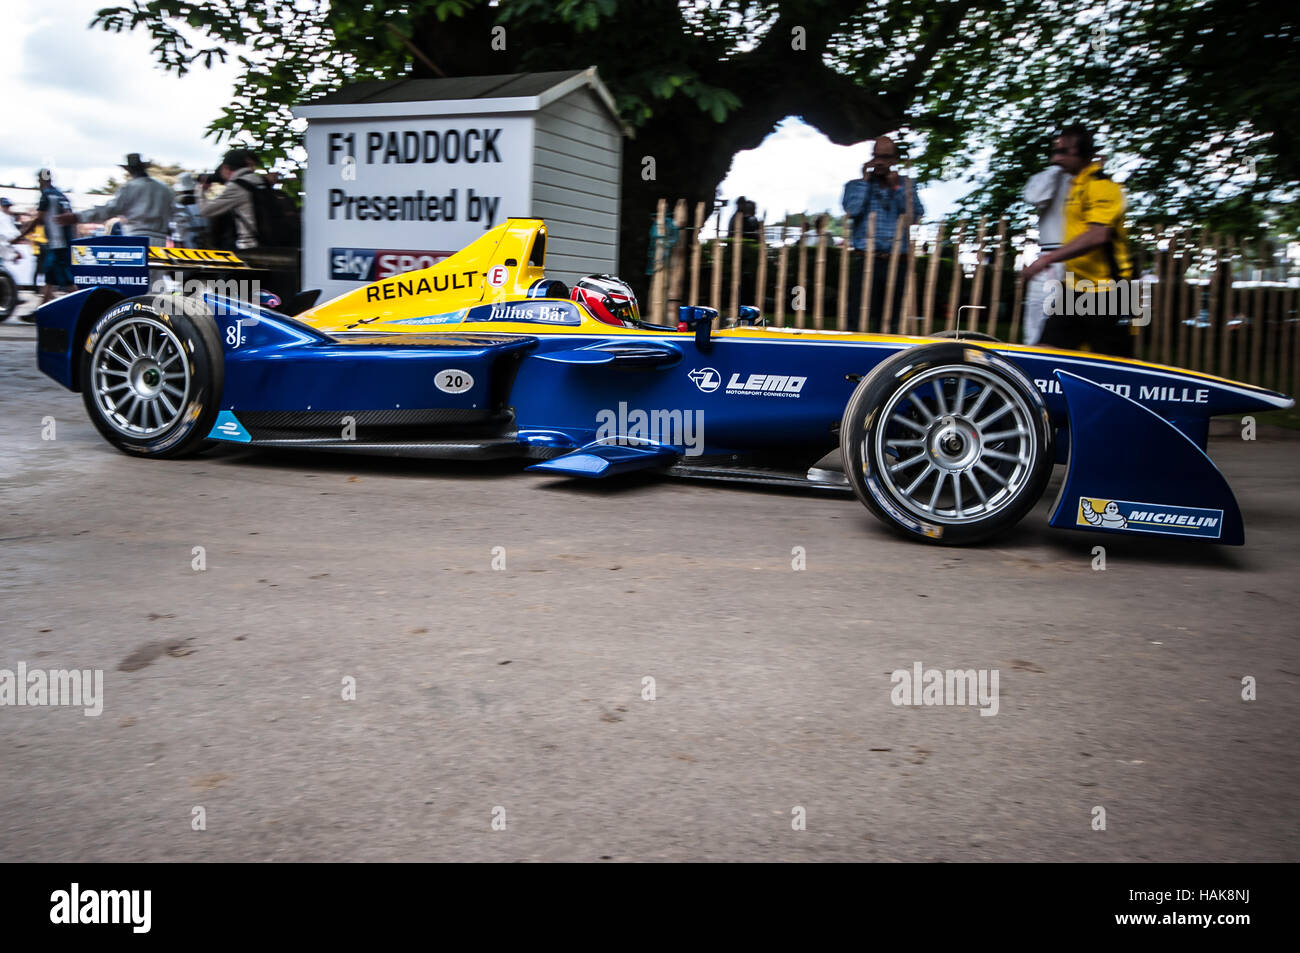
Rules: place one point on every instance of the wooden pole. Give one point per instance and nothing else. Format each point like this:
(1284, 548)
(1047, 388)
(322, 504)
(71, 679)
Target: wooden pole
(995, 299)
(868, 266)
(1181, 311)
(1229, 312)
(1291, 380)
(715, 283)
(888, 317)
(1017, 302)
(677, 262)
(977, 289)
(737, 262)
(842, 291)
(760, 271)
(657, 280)
(1167, 298)
(1206, 362)
(954, 287)
(1258, 327)
(1278, 339)
(697, 247)
(819, 274)
(781, 256)
(931, 279)
(801, 314)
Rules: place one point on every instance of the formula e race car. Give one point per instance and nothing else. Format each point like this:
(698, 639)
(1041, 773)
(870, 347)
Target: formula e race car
(482, 356)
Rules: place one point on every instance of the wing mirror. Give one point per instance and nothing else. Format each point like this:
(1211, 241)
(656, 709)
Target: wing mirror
(700, 319)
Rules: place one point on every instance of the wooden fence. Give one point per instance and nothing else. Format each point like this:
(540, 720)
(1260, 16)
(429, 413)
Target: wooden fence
(1207, 309)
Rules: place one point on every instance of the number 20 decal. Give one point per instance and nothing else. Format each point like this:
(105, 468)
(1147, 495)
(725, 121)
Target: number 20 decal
(453, 381)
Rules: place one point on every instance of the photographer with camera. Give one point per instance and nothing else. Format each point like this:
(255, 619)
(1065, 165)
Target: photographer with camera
(890, 196)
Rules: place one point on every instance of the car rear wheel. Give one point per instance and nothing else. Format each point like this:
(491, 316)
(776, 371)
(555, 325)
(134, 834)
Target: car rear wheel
(152, 373)
(947, 443)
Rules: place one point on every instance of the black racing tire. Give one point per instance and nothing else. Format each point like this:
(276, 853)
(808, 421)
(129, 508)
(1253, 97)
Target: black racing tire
(8, 294)
(960, 335)
(942, 469)
(152, 373)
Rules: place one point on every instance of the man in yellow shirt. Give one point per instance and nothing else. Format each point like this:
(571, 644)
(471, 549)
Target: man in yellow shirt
(1097, 303)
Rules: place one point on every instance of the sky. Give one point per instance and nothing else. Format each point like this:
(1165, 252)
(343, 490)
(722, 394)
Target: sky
(77, 101)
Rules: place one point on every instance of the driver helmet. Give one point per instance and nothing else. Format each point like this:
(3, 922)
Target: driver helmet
(608, 299)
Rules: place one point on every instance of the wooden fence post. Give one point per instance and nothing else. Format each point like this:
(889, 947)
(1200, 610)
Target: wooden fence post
(995, 298)
(1180, 313)
(697, 246)
(977, 289)
(1168, 302)
(715, 282)
(677, 261)
(954, 287)
(760, 271)
(868, 267)
(931, 278)
(1017, 301)
(1258, 325)
(737, 263)
(658, 278)
(819, 272)
(887, 321)
(781, 255)
(801, 314)
(842, 291)
(1229, 311)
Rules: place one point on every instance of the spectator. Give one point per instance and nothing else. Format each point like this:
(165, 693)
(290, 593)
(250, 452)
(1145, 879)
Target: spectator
(892, 197)
(232, 215)
(1095, 252)
(746, 216)
(8, 225)
(9, 297)
(144, 205)
(1046, 192)
(54, 212)
(188, 226)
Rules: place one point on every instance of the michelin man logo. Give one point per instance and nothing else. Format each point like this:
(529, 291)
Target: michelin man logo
(1109, 516)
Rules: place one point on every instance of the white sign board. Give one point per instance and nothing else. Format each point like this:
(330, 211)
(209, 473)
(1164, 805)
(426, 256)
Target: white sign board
(384, 196)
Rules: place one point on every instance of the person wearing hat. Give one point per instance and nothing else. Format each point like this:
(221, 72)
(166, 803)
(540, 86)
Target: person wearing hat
(55, 213)
(144, 204)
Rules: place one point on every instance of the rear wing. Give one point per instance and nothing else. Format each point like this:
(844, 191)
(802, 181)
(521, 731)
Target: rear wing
(124, 262)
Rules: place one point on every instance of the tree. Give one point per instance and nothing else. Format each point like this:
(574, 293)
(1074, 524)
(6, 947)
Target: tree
(699, 82)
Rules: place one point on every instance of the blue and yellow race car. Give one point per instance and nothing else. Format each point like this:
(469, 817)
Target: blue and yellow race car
(482, 356)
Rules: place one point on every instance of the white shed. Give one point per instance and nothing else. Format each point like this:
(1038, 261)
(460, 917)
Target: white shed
(402, 173)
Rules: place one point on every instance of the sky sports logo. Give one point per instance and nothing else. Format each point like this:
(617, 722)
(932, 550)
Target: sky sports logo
(371, 264)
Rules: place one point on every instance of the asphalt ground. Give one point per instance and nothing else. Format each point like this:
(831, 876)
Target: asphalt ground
(516, 695)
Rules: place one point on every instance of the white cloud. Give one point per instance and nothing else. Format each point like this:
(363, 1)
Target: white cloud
(79, 100)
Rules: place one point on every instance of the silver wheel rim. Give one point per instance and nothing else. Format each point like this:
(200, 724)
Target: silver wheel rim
(956, 444)
(141, 377)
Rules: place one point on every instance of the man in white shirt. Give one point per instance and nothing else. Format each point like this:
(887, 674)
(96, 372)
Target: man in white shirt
(1046, 192)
